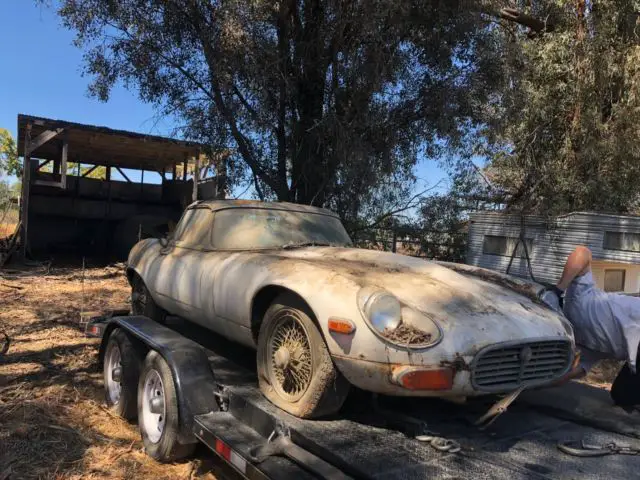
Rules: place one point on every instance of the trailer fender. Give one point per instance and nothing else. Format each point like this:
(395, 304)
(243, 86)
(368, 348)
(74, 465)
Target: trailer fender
(194, 380)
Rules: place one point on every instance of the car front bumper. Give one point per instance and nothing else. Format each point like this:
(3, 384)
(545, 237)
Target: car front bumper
(380, 377)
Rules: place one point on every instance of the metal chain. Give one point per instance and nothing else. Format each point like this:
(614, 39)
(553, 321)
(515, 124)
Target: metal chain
(582, 449)
(440, 443)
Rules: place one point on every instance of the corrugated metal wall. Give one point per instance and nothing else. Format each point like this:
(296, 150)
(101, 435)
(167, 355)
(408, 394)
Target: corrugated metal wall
(553, 240)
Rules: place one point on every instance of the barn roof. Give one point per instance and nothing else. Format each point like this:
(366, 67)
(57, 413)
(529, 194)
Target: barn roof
(106, 146)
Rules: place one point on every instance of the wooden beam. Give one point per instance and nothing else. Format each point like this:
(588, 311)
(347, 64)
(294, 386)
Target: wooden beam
(88, 172)
(41, 139)
(107, 175)
(43, 164)
(24, 210)
(184, 170)
(123, 174)
(174, 171)
(64, 154)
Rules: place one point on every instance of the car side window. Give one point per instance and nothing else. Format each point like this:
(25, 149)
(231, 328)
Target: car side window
(196, 231)
(182, 224)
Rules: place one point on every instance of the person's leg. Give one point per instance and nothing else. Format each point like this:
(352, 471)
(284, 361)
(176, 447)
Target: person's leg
(625, 390)
(578, 263)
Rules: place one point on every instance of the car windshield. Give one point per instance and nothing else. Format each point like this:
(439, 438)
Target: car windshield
(248, 228)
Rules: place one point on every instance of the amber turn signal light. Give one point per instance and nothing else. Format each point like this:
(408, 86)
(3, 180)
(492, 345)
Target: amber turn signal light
(341, 325)
(413, 378)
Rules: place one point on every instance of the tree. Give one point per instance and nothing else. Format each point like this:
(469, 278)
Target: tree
(9, 161)
(564, 134)
(324, 102)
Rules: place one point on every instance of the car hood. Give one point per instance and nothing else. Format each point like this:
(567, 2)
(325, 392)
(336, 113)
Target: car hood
(444, 292)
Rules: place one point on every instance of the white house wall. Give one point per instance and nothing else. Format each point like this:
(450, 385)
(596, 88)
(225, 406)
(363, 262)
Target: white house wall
(553, 240)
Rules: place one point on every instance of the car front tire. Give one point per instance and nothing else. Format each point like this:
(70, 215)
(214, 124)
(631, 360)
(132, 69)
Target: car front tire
(295, 370)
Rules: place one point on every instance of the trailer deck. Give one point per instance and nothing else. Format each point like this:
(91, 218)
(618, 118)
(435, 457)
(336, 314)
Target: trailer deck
(372, 438)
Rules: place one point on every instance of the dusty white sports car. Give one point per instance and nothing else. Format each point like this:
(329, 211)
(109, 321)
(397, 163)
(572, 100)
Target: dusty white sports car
(283, 278)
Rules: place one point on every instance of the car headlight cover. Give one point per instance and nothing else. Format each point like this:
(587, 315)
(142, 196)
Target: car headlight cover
(381, 308)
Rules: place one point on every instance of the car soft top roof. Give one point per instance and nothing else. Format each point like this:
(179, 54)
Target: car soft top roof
(215, 205)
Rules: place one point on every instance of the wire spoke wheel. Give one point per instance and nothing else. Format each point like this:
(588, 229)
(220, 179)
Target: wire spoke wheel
(290, 362)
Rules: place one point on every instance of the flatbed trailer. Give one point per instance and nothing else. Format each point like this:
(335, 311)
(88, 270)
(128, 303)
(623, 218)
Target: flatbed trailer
(375, 436)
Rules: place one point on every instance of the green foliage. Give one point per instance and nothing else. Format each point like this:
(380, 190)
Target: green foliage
(564, 134)
(9, 161)
(321, 102)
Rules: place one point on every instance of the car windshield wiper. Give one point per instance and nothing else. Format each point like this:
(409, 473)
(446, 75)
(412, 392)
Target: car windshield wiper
(306, 244)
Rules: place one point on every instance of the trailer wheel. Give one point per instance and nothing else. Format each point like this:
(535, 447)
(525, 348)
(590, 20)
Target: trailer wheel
(121, 369)
(158, 417)
(295, 371)
(142, 303)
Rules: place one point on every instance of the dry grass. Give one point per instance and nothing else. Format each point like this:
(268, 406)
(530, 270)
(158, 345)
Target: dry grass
(8, 221)
(53, 422)
(603, 373)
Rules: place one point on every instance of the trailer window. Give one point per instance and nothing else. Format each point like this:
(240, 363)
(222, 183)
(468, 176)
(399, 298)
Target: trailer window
(627, 242)
(614, 280)
(194, 229)
(503, 246)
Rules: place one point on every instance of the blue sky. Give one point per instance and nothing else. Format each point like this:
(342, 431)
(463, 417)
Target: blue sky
(42, 77)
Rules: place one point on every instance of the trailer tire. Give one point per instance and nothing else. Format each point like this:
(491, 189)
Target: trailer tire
(121, 385)
(159, 430)
(142, 303)
(324, 389)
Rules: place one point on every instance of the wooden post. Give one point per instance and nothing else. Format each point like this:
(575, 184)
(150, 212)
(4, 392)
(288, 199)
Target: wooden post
(108, 177)
(26, 174)
(196, 177)
(142, 182)
(174, 171)
(184, 170)
(63, 161)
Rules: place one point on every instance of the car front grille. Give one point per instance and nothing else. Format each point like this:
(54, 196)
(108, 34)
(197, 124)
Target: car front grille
(509, 366)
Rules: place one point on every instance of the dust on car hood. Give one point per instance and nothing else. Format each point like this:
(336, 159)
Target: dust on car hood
(440, 290)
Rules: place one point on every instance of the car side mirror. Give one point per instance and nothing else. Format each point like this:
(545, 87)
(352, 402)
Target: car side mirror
(164, 241)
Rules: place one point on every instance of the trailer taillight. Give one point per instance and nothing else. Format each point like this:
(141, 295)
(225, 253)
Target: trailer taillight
(226, 452)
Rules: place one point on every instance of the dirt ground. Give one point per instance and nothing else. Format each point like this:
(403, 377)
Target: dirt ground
(53, 420)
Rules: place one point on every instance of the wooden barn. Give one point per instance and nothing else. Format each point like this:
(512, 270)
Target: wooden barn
(93, 191)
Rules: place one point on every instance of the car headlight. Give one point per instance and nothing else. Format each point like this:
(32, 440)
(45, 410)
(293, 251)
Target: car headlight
(395, 322)
(381, 309)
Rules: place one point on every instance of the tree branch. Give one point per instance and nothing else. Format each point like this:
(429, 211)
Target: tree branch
(408, 205)
(535, 24)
